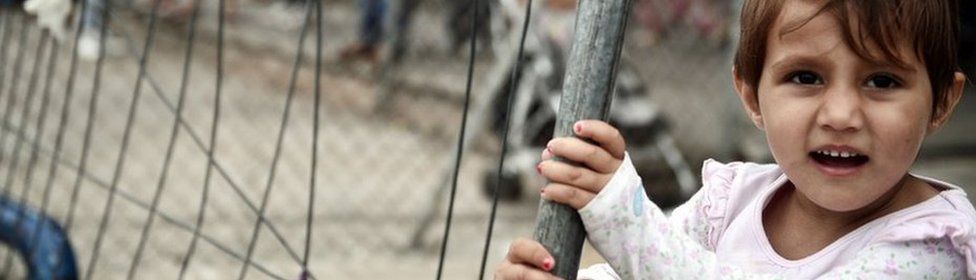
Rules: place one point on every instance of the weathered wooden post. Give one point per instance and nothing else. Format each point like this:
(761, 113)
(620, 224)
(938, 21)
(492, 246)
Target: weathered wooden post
(587, 91)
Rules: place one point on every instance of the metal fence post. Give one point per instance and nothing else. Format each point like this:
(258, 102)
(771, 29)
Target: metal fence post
(587, 93)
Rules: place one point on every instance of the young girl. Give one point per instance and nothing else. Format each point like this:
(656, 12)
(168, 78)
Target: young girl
(845, 90)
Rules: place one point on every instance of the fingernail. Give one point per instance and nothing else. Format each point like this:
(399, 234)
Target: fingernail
(547, 264)
(578, 127)
(538, 168)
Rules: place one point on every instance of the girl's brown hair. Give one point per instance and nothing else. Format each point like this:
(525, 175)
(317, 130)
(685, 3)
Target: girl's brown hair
(931, 26)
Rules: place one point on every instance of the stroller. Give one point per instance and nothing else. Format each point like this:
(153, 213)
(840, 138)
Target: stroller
(667, 177)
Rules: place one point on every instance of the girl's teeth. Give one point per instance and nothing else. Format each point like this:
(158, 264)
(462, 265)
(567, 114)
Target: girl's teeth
(838, 154)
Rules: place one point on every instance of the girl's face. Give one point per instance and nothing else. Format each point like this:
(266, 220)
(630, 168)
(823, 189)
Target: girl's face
(844, 129)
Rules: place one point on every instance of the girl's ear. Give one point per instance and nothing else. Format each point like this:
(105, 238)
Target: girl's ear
(749, 97)
(944, 108)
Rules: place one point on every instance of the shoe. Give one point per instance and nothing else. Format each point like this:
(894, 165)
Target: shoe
(359, 51)
(89, 45)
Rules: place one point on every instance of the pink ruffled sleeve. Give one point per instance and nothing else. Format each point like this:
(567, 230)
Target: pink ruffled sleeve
(949, 224)
(641, 242)
(935, 258)
(705, 216)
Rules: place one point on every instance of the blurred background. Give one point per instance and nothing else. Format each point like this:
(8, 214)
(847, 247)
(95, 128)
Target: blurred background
(393, 77)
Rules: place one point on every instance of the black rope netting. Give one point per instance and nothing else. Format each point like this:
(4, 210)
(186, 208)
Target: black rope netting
(126, 136)
(170, 147)
(505, 131)
(21, 129)
(177, 126)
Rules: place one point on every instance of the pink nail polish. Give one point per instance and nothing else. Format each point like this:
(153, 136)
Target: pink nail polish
(578, 128)
(547, 264)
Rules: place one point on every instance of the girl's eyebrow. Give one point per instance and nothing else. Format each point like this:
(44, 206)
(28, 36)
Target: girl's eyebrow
(797, 61)
(880, 63)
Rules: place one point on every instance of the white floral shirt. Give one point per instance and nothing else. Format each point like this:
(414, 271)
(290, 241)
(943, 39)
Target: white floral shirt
(718, 234)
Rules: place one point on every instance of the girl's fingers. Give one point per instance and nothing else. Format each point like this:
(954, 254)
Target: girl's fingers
(546, 155)
(510, 271)
(603, 134)
(577, 150)
(530, 252)
(561, 172)
(569, 195)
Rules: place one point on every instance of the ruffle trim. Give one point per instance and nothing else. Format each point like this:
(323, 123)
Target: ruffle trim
(717, 180)
(957, 228)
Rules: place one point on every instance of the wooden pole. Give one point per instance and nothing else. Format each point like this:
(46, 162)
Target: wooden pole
(587, 93)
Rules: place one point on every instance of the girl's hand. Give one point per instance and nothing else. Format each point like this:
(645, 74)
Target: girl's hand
(526, 259)
(577, 185)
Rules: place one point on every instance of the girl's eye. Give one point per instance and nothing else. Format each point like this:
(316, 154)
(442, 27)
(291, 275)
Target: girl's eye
(882, 81)
(805, 78)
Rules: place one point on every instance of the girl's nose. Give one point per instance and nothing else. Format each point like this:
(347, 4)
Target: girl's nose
(840, 110)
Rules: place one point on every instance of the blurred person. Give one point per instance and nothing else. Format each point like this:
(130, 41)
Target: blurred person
(181, 10)
(373, 27)
(177, 9)
(459, 23)
(370, 36)
(89, 45)
(845, 92)
(659, 17)
(51, 14)
(401, 28)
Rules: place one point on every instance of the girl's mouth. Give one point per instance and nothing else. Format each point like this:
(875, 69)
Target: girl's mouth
(838, 163)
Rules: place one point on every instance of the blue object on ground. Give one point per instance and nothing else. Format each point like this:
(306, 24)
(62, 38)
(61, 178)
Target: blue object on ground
(38, 239)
